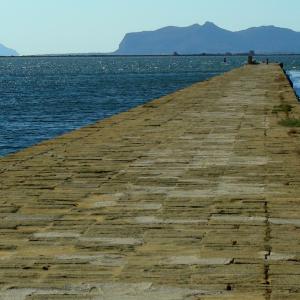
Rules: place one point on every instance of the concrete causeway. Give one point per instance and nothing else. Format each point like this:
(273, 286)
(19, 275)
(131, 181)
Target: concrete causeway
(192, 196)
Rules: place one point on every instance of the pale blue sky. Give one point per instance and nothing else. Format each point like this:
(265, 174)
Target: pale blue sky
(66, 26)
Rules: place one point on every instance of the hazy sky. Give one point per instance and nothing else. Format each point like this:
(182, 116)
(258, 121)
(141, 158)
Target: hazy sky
(66, 26)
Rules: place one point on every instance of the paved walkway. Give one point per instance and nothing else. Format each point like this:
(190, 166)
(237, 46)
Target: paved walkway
(192, 196)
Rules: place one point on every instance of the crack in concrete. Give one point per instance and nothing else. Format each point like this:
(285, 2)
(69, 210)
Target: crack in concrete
(268, 251)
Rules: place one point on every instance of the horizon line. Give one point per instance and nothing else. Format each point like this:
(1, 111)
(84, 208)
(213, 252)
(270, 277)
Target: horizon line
(147, 55)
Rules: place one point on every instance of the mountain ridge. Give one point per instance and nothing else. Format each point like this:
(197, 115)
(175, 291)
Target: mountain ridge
(4, 51)
(210, 38)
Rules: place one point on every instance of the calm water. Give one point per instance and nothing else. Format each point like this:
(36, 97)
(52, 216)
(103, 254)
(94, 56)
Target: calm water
(41, 98)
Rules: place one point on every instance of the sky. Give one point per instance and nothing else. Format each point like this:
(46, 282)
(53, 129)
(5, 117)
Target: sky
(87, 26)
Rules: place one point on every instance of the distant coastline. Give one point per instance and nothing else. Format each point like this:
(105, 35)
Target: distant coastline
(195, 40)
(151, 55)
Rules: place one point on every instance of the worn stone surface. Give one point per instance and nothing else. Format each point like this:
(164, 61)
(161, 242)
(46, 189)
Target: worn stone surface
(192, 196)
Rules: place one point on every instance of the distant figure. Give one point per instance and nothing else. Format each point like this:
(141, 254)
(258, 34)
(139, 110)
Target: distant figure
(250, 60)
(267, 61)
(225, 60)
(250, 57)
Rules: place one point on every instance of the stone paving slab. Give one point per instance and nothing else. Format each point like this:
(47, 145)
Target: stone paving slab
(191, 196)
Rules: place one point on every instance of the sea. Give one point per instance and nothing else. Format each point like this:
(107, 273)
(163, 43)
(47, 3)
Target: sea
(44, 97)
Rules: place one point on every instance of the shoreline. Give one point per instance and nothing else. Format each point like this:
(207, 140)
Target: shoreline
(147, 55)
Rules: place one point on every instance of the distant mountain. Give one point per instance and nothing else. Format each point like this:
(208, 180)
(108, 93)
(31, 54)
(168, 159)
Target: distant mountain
(209, 38)
(4, 51)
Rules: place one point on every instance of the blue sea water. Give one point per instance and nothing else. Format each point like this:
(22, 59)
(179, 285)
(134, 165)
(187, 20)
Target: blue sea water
(294, 76)
(41, 98)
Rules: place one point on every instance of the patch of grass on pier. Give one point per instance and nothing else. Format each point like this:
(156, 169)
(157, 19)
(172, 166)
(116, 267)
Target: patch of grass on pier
(290, 122)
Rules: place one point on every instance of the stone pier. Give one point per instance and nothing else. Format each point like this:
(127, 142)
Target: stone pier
(192, 196)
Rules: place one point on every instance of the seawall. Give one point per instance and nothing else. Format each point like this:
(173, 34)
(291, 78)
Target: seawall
(191, 196)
